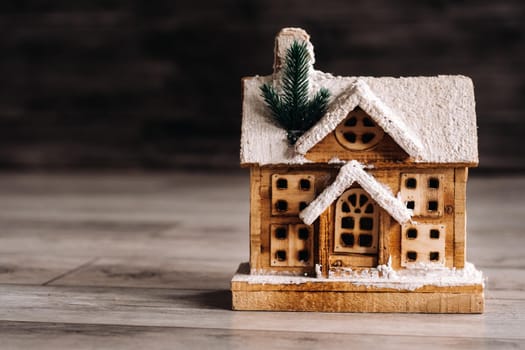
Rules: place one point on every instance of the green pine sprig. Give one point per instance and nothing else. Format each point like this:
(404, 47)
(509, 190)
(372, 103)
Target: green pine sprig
(292, 110)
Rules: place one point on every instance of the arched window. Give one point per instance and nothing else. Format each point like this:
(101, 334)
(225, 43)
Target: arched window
(356, 223)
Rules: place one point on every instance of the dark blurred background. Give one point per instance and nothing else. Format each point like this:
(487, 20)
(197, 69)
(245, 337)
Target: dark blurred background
(142, 84)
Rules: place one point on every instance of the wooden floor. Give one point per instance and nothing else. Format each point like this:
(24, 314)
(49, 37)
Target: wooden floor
(144, 262)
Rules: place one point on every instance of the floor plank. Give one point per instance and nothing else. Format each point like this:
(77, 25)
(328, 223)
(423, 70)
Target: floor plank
(504, 318)
(36, 269)
(153, 272)
(127, 261)
(53, 336)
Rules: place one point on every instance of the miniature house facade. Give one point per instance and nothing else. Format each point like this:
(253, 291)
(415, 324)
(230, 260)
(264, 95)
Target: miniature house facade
(376, 187)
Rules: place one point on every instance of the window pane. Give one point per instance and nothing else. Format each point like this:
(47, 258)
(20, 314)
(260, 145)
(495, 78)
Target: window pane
(365, 240)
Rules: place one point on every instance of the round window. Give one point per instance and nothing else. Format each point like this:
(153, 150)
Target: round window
(358, 131)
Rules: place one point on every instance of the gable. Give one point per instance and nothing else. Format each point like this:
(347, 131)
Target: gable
(350, 173)
(360, 95)
(357, 137)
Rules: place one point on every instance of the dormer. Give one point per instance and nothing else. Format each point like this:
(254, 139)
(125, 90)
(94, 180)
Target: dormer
(359, 126)
(357, 137)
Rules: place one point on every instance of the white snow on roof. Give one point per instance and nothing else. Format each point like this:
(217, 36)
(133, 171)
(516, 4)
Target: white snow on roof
(359, 94)
(432, 118)
(350, 173)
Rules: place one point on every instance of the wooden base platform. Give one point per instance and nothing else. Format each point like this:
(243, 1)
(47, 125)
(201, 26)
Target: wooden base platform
(341, 296)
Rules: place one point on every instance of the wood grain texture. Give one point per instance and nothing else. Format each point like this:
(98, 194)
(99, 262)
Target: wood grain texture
(262, 210)
(255, 218)
(329, 147)
(87, 336)
(170, 266)
(460, 216)
(325, 227)
(361, 302)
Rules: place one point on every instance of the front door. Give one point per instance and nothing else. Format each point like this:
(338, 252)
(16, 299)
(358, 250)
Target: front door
(356, 229)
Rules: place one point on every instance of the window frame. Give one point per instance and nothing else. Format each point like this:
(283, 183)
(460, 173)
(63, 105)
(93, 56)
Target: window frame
(422, 194)
(340, 215)
(292, 244)
(295, 195)
(424, 245)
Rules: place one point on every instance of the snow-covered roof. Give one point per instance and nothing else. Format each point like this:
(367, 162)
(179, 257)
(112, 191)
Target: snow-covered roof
(348, 174)
(359, 94)
(432, 118)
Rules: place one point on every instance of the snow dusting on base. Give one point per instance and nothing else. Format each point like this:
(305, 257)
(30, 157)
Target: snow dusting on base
(383, 276)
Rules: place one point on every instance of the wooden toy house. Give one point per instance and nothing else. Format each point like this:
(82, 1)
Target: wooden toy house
(365, 211)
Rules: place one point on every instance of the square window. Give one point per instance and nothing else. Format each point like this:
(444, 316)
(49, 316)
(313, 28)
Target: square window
(432, 205)
(304, 233)
(434, 256)
(280, 255)
(411, 183)
(434, 234)
(347, 222)
(302, 205)
(303, 255)
(304, 184)
(282, 184)
(281, 205)
(365, 240)
(411, 205)
(411, 233)
(433, 182)
(347, 239)
(411, 256)
(366, 224)
(281, 232)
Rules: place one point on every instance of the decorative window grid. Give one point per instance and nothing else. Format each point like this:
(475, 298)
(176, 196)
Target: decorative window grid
(356, 223)
(291, 245)
(423, 193)
(291, 193)
(422, 243)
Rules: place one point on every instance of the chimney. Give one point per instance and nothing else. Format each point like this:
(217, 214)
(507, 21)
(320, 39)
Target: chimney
(283, 40)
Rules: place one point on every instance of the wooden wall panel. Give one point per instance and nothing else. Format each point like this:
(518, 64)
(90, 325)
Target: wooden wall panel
(329, 147)
(255, 218)
(460, 217)
(323, 177)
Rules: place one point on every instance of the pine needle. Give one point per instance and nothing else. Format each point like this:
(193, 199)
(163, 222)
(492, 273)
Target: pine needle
(293, 111)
